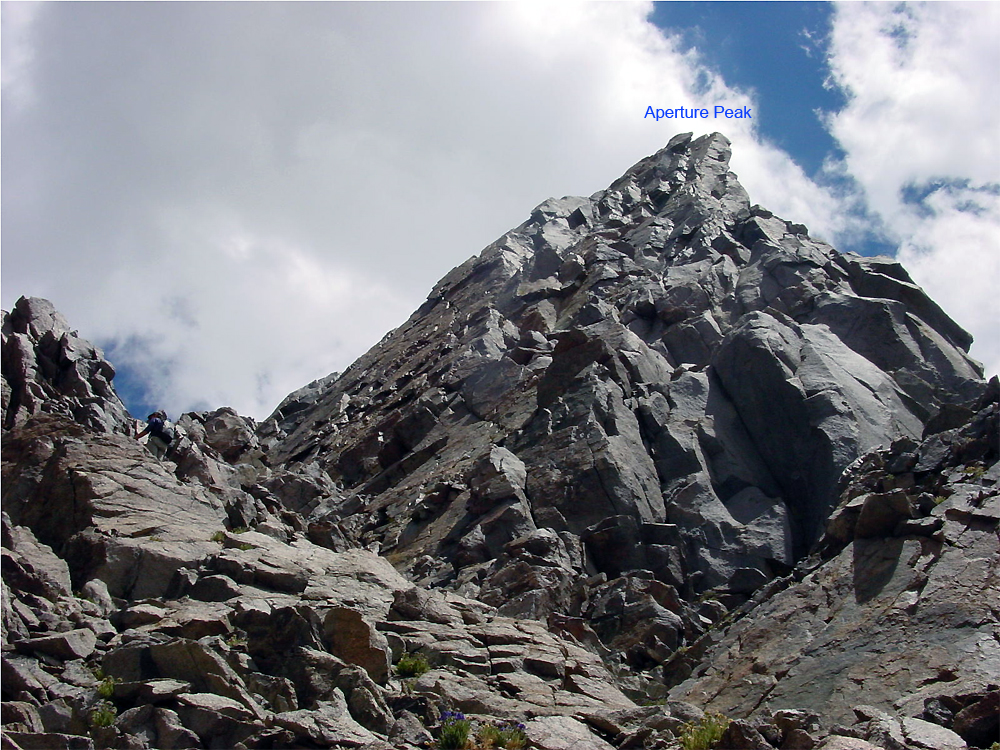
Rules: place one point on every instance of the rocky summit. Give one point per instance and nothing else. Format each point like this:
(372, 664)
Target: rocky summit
(654, 470)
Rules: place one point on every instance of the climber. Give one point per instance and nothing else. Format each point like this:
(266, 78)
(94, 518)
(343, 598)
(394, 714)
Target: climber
(161, 434)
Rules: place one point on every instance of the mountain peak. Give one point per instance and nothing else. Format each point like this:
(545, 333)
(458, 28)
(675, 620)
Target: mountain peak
(710, 351)
(657, 444)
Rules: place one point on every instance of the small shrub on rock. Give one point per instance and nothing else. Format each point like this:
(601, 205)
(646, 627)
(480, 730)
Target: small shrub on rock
(104, 715)
(412, 665)
(704, 734)
(106, 688)
(502, 734)
(454, 731)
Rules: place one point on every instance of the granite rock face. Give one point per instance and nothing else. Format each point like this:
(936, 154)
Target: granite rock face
(662, 352)
(653, 453)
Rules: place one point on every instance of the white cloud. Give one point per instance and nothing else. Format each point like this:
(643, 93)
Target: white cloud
(247, 196)
(16, 19)
(920, 137)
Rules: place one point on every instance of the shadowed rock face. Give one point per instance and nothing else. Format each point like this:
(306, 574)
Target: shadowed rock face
(898, 603)
(593, 463)
(662, 353)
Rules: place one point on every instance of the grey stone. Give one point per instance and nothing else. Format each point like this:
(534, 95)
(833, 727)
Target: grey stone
(499, 475)
(215, 588)
(840, 742)
(193, 662)
(562, 733)
(923, 734)
(881, 513)
(48, 741)
(34, 567)
(171, 734)
(73, 644)
(741, 735)
(58, 717)
(979, 722)
(408, 728)
(356, 641)
(49, 368)
(19, 716)
(328, 723)
(417, 604)
(97, 592)
(216, 719)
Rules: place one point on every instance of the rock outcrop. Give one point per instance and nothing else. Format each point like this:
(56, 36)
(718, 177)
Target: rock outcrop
(662, 353)
(655, 462)
(896, 607)
(47, 367)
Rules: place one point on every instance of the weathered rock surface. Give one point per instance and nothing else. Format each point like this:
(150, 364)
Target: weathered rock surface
(662, 351)
(653, 452)
(898, 607)
(47, 367)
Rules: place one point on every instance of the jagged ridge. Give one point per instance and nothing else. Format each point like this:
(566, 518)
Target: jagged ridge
(722, 367)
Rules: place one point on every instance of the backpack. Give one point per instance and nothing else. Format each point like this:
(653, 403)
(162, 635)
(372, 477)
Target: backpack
(163, 429)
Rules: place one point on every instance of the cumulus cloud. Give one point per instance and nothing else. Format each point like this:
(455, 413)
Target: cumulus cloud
(919, 137)
(242, 197)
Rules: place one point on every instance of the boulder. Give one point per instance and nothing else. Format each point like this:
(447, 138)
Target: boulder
(351, 638)
(562, 733)
(329, 724)
(73, 644)
(978, 722)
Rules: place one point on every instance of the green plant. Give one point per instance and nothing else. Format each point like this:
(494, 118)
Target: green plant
(652, 702)
(938, 499)
(240, 530)
(107, 687)
(488, 735)
(454, 731)
(155, 538)
(412, 665)
(218, 536)
(236, 641)
(507, 734)
(704, 734)
(244, 546)
(104, 715)
(974, 471)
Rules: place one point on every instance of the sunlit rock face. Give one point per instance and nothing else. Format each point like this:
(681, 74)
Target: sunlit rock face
(672, 371)
(653, 452)
(47, 367)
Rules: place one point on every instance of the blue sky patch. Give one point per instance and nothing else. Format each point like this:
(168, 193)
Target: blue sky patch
(777, 50)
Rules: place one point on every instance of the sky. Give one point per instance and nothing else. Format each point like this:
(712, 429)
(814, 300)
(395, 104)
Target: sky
(234, 199)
